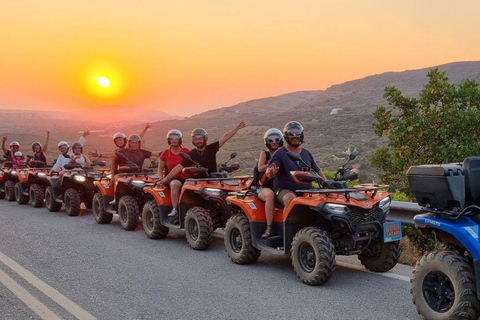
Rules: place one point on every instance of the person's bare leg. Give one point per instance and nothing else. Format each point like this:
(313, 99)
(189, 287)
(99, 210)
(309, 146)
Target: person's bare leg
(269, 197)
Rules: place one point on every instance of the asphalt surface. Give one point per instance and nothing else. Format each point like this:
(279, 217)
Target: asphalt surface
(109, 273)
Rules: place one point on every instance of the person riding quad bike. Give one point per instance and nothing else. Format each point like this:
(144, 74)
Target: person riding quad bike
(39, 152)
(202, 205)
(120, 142)
(32, 182)
(14, 147)
(317, 223)
(124, 193)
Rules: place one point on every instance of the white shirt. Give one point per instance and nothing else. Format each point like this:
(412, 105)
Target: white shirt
(62, 161)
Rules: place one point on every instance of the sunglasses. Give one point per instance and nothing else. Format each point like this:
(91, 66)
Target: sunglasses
(276, 140)
(174, 138)
(293, 134)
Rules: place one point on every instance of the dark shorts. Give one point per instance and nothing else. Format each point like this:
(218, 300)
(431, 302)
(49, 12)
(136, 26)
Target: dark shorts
(279, 194)
(182, 181)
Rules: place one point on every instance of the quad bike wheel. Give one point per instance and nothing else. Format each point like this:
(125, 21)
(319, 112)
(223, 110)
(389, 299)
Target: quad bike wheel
(198, 228)
(129, 212)
(36, 195)
(72, 202)
(151, 221)
(238, 240)
(101, 216)
(50, 203)
(313, 256)
(10, 190)
(443, 287)
(380, 256)
(19, 196)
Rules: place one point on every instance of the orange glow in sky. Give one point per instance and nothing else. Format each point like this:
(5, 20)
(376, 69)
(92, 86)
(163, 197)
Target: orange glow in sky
(186, 57)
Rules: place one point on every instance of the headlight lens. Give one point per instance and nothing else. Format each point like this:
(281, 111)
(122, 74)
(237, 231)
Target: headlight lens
(13, 173)
(108, 176)
(41, 174)
(213, 191)
(80, 178)
(385, 203)
(336, 208)
(138, 183)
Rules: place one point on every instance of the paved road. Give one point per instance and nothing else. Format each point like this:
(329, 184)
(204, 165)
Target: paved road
(71, 267)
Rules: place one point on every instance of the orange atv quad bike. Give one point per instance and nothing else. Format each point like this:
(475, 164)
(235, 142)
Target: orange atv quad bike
(74, 186)
(32, 183)
(317, 225)
(125, 196)
(202, 206)
(8, 178)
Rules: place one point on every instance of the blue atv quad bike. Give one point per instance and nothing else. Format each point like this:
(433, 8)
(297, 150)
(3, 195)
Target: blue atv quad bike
(445, 283)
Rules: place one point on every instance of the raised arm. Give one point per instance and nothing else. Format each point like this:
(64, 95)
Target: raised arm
(4, 148)
(45, 146)
(147, 126)
(82, 139)
(231, 133)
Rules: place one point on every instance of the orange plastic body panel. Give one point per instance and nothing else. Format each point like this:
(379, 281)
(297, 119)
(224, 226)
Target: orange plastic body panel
(255, 209)
(295, 175)
(161, 195)
(105, 187)
(197, 184)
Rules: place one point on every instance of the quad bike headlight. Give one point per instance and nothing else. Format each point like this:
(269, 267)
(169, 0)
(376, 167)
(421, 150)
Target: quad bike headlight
(137, 183)
(41, 174)
(80, 178)
(385, 203)
(13, 173)
(212, 191)
(108, 176)
(336, 208)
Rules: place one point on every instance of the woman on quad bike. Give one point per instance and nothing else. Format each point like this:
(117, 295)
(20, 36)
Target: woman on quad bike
(18, 159)
(280, 165)
(39, 152)
(170, 158)
(120, 141)
(78, 156)
(14, 147)
(273, 139)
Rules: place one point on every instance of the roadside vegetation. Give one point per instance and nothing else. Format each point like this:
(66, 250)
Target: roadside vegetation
(442, 125)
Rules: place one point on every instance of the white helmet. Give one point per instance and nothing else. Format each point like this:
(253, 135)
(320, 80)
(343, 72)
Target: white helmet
(63, 144)
(174, 132)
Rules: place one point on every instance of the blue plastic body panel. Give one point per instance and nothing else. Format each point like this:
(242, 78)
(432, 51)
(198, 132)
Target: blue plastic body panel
(464, 230)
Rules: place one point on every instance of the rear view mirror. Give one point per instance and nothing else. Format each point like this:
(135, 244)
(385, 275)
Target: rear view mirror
(99, 163)
(193, 170)
(233, 155)
(294, 156)
(353, 155)
(185, 156)
(233, 167)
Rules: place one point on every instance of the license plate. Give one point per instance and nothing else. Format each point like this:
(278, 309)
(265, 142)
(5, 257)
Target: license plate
(392, 231)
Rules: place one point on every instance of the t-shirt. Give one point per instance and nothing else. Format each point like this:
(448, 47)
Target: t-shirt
(62, 161)
(137, 157)
(172, 160)
(283, 179)
(206, 158)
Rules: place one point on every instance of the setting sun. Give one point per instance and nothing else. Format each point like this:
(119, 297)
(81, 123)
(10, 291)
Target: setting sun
(103, 82)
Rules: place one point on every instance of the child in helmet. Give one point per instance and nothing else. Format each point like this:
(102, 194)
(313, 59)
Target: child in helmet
(273, 139)
(65, 155)
(18, 159)
(169, 159)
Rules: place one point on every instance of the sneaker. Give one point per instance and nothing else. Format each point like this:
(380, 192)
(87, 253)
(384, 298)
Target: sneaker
(173, 213)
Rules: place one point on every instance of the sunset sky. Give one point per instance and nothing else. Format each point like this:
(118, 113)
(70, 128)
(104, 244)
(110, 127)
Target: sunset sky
(184, 56)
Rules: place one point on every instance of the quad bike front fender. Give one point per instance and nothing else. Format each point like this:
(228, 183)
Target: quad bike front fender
(253, 208)
(105, 188)
(160, 195)
(464, 230)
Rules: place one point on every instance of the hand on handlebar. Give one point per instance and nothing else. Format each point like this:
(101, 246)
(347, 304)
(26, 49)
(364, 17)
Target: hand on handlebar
(163, 183)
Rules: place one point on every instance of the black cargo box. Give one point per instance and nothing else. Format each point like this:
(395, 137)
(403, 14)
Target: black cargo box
(442, 186)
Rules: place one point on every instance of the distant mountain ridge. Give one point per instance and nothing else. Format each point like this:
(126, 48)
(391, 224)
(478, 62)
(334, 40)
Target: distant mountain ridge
(336, 120)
